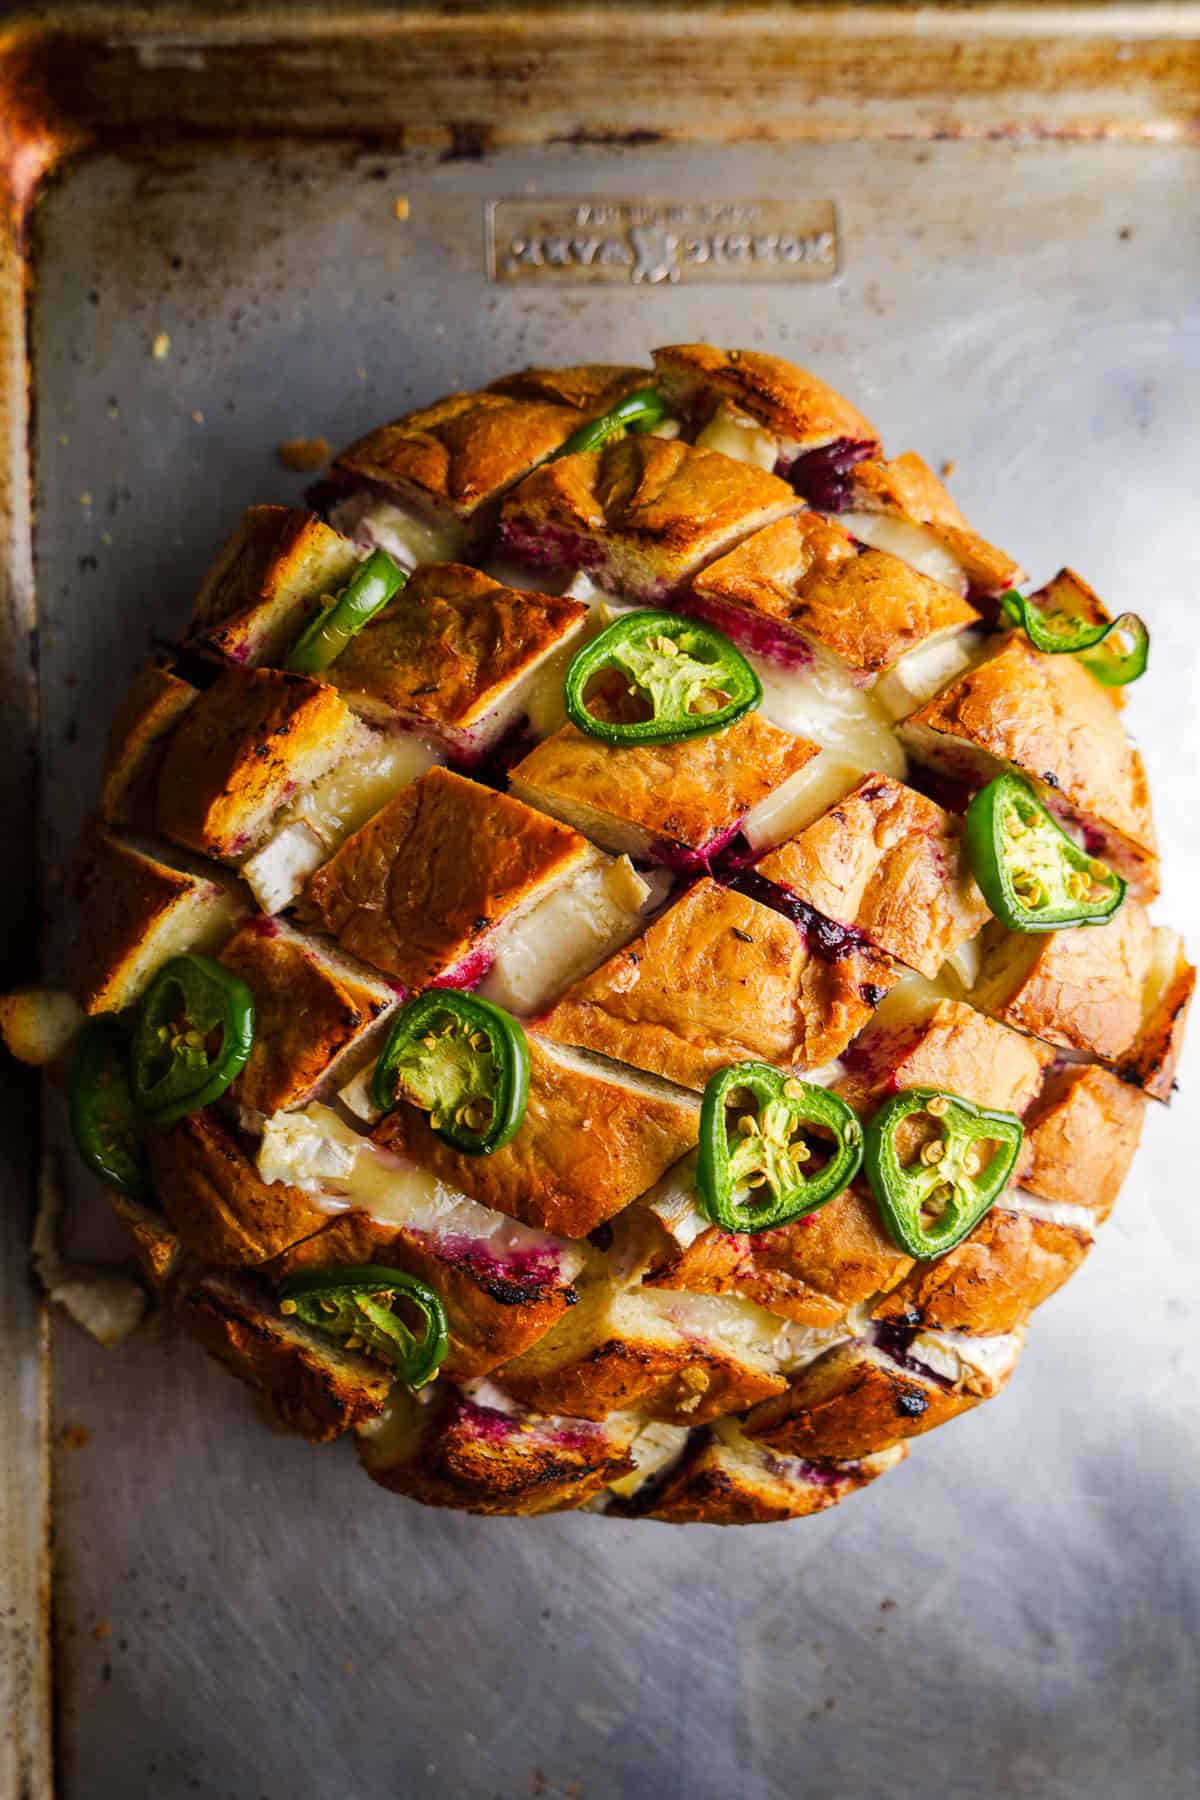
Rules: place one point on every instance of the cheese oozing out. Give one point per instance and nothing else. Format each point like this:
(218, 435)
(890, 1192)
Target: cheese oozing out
(821, 700)
(739, 438)
(921, 674)
(655, 1446)
(322, 818)
(378, 524)
(316, 1150)
(802, 798)
(570, 931)
(917, 545)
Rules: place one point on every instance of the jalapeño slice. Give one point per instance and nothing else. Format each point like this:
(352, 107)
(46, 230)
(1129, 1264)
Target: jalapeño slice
(1115, 651)
(769, 1170)
(359, 1307)
(640, 411)
(1032, 875)
(324, 639)
(690, 676)
(463, 1061)
(194, 1033)
(104, 1121)
(936, 1162)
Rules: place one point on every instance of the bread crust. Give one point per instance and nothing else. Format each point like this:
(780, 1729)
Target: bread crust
(855, 1401)
(314, 1387)
(136, 912)
(1080, 1137)
(268, 580)
(157, 1247)
(812, 1271)
(619, 1351)
(310, 1007)
(687, 795)
(954, 1048)
(460, 454)
(136, 743)
(723, 1478)
(421, 885)
(906, 488)
(493, 1314)
(216, 1201)
(892, 864)
(642, 514)
(864, 607)
(1081, 989)
(1048, 719)
(1011, 1263)
(240, 751)
(463, 1453)
(592, 388)
(790, 402)
(446, 651)
(590, 1143)
(717, 978)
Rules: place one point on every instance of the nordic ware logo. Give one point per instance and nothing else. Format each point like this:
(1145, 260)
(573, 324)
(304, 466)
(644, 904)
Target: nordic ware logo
(651, 243)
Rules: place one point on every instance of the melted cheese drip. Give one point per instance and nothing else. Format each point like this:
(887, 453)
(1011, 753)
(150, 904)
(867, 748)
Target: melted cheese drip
(380, 524)
(739, 438)
(821, 702)
(570, 931)
(917, 545)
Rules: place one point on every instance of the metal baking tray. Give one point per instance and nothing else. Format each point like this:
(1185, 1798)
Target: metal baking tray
(982, 223)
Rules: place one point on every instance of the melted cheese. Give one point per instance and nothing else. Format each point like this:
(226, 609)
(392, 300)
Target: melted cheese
(965, 1360)
(652, 1449)
(569, 932)
(314, 825)
(739, 438)
(1166, 960)
(802, 798)
(380, 524)
(963, 966)
(821, 702)
(917, 545)
(921, 674)
(317, 1151)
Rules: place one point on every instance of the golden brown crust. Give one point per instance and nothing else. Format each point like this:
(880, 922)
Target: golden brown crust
(216, 1200)
(461, 453)
(267, 581)
(239, 752)
(955, 1049)
(493, 1314)
(136, 743)
(590, 1142)
(863, 606)
(642, 514)
(463, 1453)
(1081, 989)
(1080, 1137)
(135, 912)
(725, 1479)
(1150, 1063)
(622, 1352)
(309, 1007)
(797, 407)
(889, 862)
(812, 1271)
(854, 1401)
(314, 1387)
(716, 979)
(687, 793)
(906, 488)
(423, 882)
(444, 652)
(990, 1283)
(156, 1246)
(1047, 718)
(592, 388)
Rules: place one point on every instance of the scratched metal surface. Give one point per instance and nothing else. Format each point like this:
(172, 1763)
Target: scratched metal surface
(1016, 1611)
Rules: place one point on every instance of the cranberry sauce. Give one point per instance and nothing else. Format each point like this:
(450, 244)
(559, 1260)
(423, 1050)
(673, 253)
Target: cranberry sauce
(820, 475)
(550, 546)
(825, 937)
(753, 632)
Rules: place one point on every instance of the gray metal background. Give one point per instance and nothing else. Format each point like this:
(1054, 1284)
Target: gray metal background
(1016, 1611)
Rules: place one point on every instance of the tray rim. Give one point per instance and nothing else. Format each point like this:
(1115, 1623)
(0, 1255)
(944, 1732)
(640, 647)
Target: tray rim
(1140, 63)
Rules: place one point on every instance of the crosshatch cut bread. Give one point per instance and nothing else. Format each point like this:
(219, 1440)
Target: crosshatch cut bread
(454, 821)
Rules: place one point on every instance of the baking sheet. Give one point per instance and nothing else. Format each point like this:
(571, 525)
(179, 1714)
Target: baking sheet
(1014, 1612)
